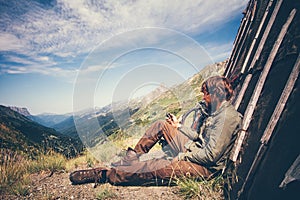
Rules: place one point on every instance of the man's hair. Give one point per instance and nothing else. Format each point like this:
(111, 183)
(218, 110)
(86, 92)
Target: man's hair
(219, 86)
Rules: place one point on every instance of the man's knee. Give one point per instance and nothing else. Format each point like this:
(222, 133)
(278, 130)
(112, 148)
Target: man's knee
(160, 122)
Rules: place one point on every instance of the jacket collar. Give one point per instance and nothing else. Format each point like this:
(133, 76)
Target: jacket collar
(224, 105)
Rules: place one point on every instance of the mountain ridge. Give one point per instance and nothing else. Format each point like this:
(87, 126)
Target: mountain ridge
(22, 110)
(19, 133)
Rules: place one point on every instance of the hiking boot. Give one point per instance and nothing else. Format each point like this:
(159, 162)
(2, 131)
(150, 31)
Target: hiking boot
(127, 160)
(96, 175)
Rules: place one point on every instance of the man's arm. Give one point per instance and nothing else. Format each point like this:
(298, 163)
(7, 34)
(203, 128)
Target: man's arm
(220, 134)
(189, 132)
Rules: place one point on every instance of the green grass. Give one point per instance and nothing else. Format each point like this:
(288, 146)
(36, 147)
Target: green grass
(48, 162)
(201, 189)
(105, 193)
(85, 159)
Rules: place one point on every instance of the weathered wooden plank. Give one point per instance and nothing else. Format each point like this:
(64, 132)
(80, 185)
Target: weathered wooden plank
(235, 44)
(256, 36)
(242, 91)
(235, 49)
(237, 146)
(238, 42)
(266, 34)
(244, 37)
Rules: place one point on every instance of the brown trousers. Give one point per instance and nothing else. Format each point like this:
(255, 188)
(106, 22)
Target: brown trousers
(156, 171)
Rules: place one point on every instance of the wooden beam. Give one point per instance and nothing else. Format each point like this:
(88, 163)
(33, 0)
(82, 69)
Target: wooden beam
(243, 39)
(228, 66)
(240, 37)
(236, 45)
(266, 33)
(242, 91)
(256, 35)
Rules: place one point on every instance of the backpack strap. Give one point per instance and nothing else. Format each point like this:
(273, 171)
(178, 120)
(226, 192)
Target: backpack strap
(200, 114)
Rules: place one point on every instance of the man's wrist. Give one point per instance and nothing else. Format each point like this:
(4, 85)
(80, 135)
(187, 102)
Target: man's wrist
(179, 125)
(180, 156)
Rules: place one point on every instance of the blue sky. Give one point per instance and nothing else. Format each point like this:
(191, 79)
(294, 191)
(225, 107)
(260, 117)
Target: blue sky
(54, 54)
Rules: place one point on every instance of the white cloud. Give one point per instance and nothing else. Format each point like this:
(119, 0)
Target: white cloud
(72, 28)
(93, 68)
(43, 58)
(219, 52)
(9, 42)
(18, 60)
(45, 70)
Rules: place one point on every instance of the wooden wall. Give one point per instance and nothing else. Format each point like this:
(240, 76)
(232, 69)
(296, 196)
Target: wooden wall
(265, 64)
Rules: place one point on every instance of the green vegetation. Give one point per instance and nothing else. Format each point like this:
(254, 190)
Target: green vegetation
(85, 159)
(13, 173)
(51, 161)
(19, 133)
(211, 189)
(105, 193)
(15, 169)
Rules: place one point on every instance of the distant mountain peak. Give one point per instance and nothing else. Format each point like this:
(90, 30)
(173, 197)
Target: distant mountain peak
(22, 111)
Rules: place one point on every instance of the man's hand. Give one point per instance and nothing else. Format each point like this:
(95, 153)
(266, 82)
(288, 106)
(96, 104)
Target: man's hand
(172, 119)
(179, 157)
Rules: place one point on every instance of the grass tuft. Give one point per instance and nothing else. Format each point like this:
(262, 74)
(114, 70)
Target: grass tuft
(48, 162)
(16, 168)
(84, 160)
(201, 189)
(13, 173)
(105, 193)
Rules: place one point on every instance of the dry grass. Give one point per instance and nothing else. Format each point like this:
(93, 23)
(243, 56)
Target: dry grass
(47, 162)
(86, 160)
(13, 173)
(16, 168)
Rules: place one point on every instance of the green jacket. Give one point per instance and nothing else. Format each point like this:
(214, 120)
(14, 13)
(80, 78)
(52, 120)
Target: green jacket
(211, 146)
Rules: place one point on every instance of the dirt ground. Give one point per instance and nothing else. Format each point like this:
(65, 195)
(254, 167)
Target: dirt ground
(58, 186)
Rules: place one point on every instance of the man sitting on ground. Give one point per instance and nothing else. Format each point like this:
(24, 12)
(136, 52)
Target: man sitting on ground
(197, 150)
